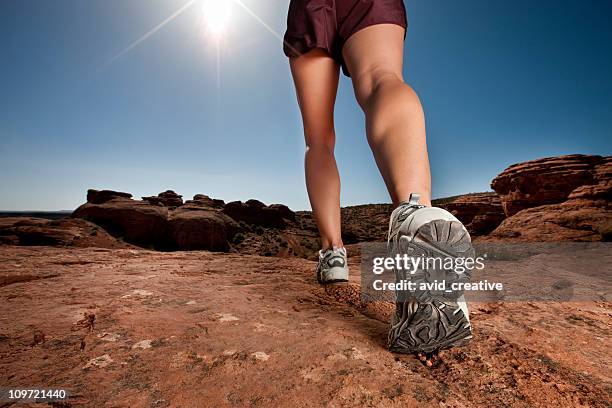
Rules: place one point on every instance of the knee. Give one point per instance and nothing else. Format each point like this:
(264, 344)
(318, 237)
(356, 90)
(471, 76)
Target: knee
(371, 81)
(320, 139)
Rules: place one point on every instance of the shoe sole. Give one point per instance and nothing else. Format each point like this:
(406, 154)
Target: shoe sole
(339, 275)
(431, 320)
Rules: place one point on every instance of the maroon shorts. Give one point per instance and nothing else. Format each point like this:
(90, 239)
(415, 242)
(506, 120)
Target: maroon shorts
(327, 24)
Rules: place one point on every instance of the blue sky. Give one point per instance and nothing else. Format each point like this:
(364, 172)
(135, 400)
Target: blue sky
(501, 82)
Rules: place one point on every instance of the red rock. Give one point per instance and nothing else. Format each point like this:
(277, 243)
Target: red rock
(171, 199)
(167, 199)
(257, 213)
(102, 196)
(361, 223)
(61, 232)
(580, 187)
(156, 223)
(136, 222)
(255, 204)
(204, 200)
(546, 181)
(154, 200)
(602, 190)
(207, 316)
(192, 229)
(573, 220)
(283, 210)
(481, 213)
(9, 239)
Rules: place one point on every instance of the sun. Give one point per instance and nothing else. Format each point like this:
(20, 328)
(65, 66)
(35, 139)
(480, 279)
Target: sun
(216, 15)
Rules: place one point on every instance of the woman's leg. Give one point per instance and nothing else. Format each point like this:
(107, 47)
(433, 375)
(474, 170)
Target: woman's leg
(315, 75)
(395, 123)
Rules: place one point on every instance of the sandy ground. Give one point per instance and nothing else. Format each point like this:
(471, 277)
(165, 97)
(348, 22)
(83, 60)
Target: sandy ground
(135, 328)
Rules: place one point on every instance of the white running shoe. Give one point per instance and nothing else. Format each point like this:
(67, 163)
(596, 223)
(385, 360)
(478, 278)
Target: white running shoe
(333, 266)
(426, 321)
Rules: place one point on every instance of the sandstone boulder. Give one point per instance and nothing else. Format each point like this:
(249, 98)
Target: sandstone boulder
(164, 222)
(206, 201)
(167, 198)
(573, 220)
(61, 232)
(546, 181)
(481, 213)
(102, 196)
(257, 213)
(136, 222)
(153, 200)
(283, 210)
(193, 229)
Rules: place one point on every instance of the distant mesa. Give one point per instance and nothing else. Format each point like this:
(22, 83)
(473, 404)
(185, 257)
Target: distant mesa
(565, 198)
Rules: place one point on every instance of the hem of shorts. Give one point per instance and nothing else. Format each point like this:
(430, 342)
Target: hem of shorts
(345, 70)
(299, 51)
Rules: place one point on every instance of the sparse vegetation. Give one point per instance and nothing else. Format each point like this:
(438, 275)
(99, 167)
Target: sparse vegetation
(238, 238)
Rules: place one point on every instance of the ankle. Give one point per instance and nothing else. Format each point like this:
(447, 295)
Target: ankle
(331, 244)
(422, 200)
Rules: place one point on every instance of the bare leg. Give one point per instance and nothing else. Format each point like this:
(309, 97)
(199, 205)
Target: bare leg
(315, 75)
(395, 123)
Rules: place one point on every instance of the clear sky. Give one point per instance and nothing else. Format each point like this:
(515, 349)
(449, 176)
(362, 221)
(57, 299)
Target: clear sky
(501, 82)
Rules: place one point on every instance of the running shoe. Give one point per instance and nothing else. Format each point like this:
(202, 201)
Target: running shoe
(333, 266)
(428, 319)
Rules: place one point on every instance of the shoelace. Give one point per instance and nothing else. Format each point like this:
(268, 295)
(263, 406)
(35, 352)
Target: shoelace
(408, 208)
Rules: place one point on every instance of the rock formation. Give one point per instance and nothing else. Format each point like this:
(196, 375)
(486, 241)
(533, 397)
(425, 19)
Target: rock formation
(63, 232)
(563, 198)
(102, 196)
(481, 213)
(136, 222)
(162, 221)
(579, 188)
(362, 223)
(166, 199)
(206, 201)
(547, 181)
(257, 213)
(568, 221)
(191, 228)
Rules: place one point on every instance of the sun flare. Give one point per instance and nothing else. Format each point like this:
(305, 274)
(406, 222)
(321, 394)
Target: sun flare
(216, 15)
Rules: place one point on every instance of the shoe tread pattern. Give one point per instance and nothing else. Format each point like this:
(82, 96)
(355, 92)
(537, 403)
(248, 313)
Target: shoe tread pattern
(429, 320)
